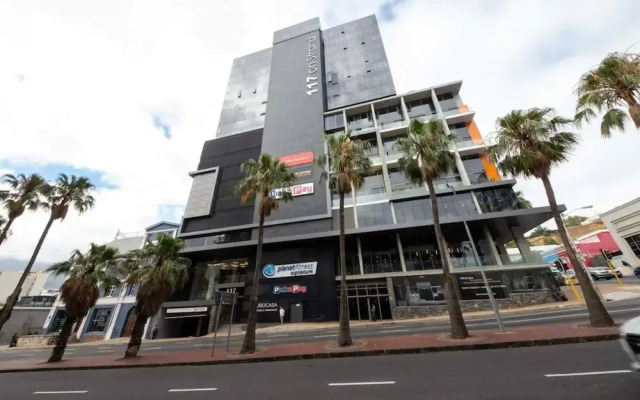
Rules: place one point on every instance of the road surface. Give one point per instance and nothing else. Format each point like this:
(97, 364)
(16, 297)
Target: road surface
(568, 372)
(620, 310)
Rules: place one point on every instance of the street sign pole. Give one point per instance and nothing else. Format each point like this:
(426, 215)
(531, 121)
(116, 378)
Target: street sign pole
(233, 309)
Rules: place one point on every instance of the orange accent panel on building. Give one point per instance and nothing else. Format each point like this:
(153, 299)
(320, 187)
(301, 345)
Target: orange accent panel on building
(463, 108)
(489, 166)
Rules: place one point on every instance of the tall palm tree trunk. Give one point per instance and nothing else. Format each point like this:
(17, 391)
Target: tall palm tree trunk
(62, 339)
(5, 314)
(344, 331)
(136, 335)
(634, 111)
(249, 342)
(458, 327)
(598, 315)
(5, 230)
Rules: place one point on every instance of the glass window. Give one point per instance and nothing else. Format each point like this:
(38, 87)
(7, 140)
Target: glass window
(419, 290)
(527, 280)
(412, 210)
(374, 214)
(352, 262)
(447, 102)
(231, 271)
(99, 320)
(389, 116)
(380, 254)
(461, 131)
(499, 199)
(634, 243)
(333, 122)
(420, 108)
(360, 121)
(372, 189)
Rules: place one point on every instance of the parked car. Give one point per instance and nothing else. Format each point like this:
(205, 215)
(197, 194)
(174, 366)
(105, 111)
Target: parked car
(630, 340)
(600, 273)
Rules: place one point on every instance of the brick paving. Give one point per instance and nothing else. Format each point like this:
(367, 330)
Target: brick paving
(529, 336)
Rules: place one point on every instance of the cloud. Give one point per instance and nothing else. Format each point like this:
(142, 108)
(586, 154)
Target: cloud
(131, 90)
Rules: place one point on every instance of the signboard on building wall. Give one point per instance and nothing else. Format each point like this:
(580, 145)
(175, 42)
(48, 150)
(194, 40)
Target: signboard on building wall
(472, 287)
(289, 270)
(292, 289)
(267, 307)
(186, 310)
(296, 190)
(302, 174)
(298, 159)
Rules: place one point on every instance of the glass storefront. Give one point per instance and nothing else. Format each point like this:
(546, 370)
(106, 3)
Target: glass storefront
(367, 300)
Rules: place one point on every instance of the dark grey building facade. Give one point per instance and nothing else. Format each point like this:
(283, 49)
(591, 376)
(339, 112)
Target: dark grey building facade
(281, 101)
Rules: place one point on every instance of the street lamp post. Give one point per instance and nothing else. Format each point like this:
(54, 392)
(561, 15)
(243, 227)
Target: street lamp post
(574, 248)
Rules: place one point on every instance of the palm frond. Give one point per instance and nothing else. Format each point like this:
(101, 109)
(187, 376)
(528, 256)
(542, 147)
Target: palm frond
(531, 142)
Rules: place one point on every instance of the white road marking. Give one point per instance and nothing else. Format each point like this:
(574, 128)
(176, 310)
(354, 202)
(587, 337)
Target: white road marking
(320, 336)
(554, 317)
(282, 335)
(362, 383)
(104, 351)
(200, 345)
(64, 392)
(194, 390)
(394, 330)
(621, 371)
(152, 348)
(263, 340)
(616, 296)
(105, 347)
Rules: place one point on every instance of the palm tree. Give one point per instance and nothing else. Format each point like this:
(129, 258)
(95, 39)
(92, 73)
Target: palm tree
(268, 180)
(25, 195)
(427, 156)
(348, 162)
(64, 193)
(529, 143)
(612, 86)
(80, 291)
(159, 271)
(524, 203)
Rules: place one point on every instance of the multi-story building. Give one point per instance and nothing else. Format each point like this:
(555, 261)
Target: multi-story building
(623, 222)
(113, 315)
(281, 101)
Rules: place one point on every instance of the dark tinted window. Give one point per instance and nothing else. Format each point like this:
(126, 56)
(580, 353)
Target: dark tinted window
(374, 214)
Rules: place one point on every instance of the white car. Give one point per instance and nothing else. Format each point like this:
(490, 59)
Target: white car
(630, 340)
(570, 274)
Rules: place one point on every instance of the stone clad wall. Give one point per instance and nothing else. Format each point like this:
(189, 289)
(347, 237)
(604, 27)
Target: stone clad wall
(516, 300)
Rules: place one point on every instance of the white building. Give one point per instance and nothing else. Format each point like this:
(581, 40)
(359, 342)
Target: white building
(113, 315)
(33, 285)
(624, 224)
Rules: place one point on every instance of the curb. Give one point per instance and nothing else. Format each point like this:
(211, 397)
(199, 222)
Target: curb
(353, 353)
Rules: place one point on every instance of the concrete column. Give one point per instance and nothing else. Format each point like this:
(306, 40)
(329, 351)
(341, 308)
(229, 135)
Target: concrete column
(492, 245)
(52, 313)
(393, 212)
(392, 296)
(402, 261)
(82, 324)
(116, 311)
(436, 104)
(355, 207)
(360, 257)
(405, 112)
(213, 277)
(521, 242)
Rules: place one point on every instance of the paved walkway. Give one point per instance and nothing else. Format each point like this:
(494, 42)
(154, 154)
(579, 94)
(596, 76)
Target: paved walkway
(533, 336)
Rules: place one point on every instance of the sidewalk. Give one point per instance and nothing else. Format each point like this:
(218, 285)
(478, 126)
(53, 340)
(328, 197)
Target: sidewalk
(531, 336)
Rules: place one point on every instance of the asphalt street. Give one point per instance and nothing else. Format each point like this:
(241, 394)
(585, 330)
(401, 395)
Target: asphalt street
(620, 310)
(579, 371)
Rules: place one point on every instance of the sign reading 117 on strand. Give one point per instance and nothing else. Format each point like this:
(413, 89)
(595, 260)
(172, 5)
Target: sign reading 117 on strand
(312, 56)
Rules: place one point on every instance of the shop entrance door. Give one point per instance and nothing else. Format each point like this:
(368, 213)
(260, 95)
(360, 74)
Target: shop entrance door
(295, 312)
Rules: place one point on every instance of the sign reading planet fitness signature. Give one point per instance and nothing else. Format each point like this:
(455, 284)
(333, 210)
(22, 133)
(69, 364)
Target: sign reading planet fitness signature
(294, 289)
(289, 270)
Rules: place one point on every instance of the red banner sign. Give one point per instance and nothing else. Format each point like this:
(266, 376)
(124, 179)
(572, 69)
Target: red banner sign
(298, 159)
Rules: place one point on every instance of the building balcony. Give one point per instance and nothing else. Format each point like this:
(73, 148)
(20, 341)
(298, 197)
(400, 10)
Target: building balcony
(459, 114)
